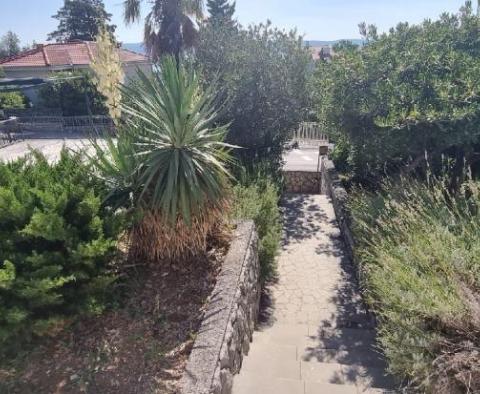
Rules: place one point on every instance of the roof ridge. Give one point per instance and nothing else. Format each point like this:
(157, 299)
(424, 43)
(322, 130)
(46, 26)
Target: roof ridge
(74, 42)
(45, 56)
(89, 50)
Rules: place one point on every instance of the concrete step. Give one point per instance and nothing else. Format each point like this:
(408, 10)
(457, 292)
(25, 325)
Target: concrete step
(340, 338)
(358, 356)
(313, 336)
(269, 366)
(269, 347)
(364, 377)
(248, 383)
(327, 388)
(254, 383)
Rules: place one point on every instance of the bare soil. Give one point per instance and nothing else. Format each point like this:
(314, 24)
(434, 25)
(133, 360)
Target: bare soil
(139, 347)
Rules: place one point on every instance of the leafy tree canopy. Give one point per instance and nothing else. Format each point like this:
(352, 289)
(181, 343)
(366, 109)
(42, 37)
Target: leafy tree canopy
(9, 45)
(411, 92)
(74, 93)
(81, 20)
(221, 11)
(264, 73)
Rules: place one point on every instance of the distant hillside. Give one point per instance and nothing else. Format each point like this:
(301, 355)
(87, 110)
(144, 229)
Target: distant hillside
(139, 48)
(317, 43)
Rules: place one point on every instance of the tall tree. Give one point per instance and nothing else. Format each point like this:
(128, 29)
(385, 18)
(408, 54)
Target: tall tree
(221, 11)
(81, 20)
(169, 26)
(263, 73)
(9, 45)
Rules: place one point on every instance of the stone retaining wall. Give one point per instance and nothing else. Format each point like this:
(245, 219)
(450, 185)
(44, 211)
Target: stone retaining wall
(331, 185)
(302, 182)
(226, 331)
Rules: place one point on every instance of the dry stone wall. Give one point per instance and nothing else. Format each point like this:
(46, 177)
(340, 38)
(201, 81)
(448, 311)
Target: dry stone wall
(302, 182)
(226, 331)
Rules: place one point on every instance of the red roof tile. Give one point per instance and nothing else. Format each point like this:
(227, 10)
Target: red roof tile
(75, 53)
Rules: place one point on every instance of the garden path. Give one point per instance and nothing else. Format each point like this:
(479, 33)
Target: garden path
(314, 335)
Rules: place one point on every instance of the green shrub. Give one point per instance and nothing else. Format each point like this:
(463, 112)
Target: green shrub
(410, 91)
(258, 200)
(419, 247)
(12, 100)
(264, 73)
(71, 94)
(56, 243)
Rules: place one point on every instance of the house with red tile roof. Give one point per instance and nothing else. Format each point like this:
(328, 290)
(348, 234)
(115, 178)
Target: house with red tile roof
(70, 56)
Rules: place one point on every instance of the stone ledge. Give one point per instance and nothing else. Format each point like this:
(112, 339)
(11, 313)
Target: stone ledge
(331, 185)
(227, 328)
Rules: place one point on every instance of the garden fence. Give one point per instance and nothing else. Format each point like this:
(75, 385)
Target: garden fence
(9, 129)
(310, 133)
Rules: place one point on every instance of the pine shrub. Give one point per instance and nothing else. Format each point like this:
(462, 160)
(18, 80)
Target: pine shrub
(13, 100)
(56, 243)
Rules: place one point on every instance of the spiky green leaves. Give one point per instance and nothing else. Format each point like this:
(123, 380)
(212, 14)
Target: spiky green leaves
(179, 147)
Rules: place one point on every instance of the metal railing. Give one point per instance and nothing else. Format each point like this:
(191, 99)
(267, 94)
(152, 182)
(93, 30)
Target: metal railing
(310, 133)
(9, 129)
(69, 124)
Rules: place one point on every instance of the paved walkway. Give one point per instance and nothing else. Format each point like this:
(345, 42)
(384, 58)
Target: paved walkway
(315, 336)
(49, 143)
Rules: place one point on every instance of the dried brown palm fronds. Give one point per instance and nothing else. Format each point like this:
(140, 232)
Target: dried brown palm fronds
(154, 238)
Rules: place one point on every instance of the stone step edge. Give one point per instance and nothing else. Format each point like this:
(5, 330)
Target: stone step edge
(268, 379)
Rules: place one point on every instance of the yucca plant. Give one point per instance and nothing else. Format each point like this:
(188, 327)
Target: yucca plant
(169, 157)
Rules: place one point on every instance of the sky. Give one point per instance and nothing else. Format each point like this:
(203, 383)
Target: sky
(316, 19)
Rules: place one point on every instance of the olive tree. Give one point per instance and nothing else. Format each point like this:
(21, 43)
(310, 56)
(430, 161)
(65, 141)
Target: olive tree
(408, 94)
(263, 73)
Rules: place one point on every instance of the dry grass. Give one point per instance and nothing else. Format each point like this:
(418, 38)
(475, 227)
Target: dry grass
(458, 367)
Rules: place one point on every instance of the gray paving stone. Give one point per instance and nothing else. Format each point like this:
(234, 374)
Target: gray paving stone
(316, 314)
(332, 373)
(326, 388)
(246, 383)
(364, 356)
(269, 367)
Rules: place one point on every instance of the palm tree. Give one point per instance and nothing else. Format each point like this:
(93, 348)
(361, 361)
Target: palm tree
(168, 162)
(169, 27)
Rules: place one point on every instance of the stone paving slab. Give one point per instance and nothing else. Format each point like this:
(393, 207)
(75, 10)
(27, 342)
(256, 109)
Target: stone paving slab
(255, 384)
(327, 388)
(313, 311)
(50, 147)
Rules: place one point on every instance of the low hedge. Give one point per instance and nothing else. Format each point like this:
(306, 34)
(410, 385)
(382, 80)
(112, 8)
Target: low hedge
(56, 244)
(258, 200)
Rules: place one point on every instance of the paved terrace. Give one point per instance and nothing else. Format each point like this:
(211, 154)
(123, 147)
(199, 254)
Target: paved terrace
(50, 144)
(304, 159)
(301, 159)
(315, 336)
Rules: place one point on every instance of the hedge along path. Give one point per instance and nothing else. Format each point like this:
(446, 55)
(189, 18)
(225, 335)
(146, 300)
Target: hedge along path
(315, 335)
